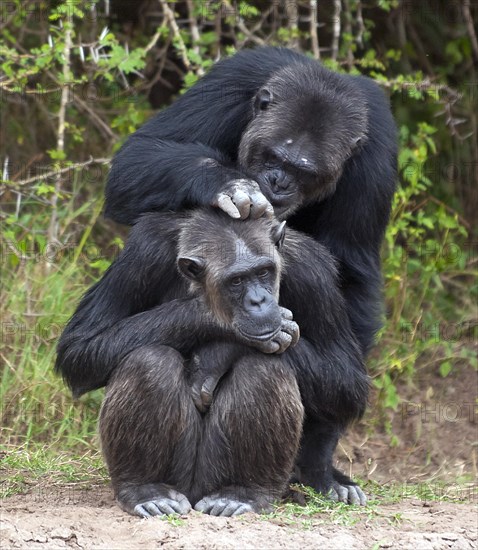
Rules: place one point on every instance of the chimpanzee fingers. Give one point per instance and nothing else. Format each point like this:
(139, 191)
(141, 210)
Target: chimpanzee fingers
(353, 496)
(356, 495)
(160, 507)
(197, 397)
(243, 203)
(207, 392)
(224, 202)
(286, 313)
(292, 329)
(219, 506)
(284, 340)
(362, 496)
(235, 508)
(260, 206)
(332, 494)
(225, 507)
(342, 493)
(204, 505)
(180, 503)
(349, 494)
(140, 511)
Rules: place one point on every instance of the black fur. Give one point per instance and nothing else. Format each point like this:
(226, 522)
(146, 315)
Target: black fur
(163, 456)
(166, 164)
(188, 153)
(141, 302)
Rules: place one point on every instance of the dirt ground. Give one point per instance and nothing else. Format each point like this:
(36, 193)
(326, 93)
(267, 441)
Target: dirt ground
(69, 518)
(435, 456)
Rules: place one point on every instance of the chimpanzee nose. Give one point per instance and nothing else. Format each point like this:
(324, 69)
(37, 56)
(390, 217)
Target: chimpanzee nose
(277, 179)
(255, 301)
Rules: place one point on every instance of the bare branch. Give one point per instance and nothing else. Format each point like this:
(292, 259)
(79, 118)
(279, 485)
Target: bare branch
(56, 173)
(360, 23)
(348, 31)
(336, 29)
(314, 37)
(171, 20)
(470, 27)
(60, 144)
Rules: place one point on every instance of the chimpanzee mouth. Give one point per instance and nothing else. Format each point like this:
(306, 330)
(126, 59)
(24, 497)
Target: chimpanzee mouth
(281, 199)
(264, 337)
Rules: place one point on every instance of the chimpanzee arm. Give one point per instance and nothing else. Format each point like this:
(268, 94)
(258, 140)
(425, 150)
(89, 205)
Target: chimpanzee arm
(213, 360)
(185, 155)
(150, 174)
(121, 311)
(87, 362)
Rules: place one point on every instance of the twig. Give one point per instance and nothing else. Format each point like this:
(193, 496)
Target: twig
(58, 172)
(243, 28)
(314, 36)
(195, 36)
(470, 27)
(292, 11)
(360, 23)
(171, 19)
(153, 40)
(336, 29)
(348, 32)
(60, 144)
(97, 120)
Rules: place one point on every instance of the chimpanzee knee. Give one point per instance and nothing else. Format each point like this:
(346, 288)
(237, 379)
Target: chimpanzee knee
(149, 426)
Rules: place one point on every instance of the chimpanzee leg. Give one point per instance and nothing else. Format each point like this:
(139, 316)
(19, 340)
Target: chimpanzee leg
(150, 431)
(314, 464)
(250, 440)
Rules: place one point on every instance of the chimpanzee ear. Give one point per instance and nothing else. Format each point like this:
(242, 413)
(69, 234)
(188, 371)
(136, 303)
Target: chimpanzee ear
(262, 100)
(278, 235)
(192, 268)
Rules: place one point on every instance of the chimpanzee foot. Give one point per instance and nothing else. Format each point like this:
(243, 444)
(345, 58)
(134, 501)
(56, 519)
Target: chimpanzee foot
(217, 505)
(154, 499)
(345, 490)
(350, 494)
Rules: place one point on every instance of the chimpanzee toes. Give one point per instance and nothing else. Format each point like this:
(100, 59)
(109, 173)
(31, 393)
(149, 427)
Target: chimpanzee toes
(349, 494)
(163, 507)
(362, 497)
(225, 507)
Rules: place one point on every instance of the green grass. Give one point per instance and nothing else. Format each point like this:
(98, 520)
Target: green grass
(36, 406)
(24, 468)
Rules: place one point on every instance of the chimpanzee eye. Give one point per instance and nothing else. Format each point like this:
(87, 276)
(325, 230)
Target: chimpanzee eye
(263, 273)
(263, 99)
(237, 281)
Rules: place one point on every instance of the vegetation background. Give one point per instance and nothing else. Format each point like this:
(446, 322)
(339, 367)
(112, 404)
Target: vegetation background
(77, 77)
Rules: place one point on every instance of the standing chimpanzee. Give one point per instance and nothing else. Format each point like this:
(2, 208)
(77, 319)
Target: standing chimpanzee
(272, 127)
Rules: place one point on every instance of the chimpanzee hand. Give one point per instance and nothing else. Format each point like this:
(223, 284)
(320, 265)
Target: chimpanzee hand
(242, 198)
(208, 365)
(287, 337)
(202, 391)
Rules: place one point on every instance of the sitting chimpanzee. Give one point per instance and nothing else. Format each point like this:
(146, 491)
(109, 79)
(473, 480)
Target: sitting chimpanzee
(162, 453)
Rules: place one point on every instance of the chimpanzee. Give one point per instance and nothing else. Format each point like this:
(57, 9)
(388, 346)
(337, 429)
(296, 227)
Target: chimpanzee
(142, 331)
(162, 454)
(273, 128)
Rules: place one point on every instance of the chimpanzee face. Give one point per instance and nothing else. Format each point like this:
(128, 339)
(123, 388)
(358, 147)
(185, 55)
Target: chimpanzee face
(299, 138)
(240, 282)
